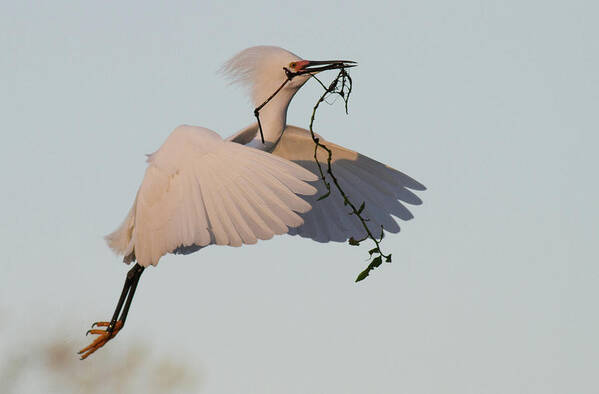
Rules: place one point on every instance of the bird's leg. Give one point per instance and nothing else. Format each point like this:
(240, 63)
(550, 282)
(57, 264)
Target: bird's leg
(134, 281)
(116, 324)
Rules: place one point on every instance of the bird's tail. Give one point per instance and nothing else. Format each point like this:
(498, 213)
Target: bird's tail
(121, 239)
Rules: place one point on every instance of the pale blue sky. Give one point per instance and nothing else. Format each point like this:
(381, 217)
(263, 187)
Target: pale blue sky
(491, 104)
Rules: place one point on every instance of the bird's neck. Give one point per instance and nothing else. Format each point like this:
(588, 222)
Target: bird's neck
(273, 118)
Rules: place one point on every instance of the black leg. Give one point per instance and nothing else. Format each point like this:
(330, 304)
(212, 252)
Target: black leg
(128, 290)
(137, 271)
(119, 305)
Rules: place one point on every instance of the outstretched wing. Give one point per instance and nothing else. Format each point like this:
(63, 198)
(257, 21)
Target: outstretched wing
(384, 191)
(200, 190)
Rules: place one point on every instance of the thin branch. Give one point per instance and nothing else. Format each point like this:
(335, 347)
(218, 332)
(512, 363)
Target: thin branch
(376, 254)
(342, 86)
(290, 75)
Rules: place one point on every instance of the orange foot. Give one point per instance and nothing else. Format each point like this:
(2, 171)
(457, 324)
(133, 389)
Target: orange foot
(103, 337)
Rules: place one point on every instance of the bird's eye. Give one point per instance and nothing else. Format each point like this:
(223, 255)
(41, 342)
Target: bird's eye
(292, 65)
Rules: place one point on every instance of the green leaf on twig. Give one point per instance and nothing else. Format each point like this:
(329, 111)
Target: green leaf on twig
(363, 275)
(376, 262)
(361, 207)
(352, 241)
(328, 193)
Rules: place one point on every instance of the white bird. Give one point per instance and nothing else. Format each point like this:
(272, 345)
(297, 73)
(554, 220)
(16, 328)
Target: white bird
(200, 189)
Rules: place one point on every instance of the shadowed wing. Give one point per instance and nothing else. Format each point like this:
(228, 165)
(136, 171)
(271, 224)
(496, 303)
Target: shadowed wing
(200, 190)
(384, 190)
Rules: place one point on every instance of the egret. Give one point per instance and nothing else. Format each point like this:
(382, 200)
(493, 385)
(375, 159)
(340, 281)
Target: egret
(200, 190)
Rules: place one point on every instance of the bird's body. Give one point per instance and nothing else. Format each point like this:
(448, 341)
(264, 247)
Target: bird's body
(200, 190)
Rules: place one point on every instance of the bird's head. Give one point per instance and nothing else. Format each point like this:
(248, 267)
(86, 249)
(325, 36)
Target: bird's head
(265, 68)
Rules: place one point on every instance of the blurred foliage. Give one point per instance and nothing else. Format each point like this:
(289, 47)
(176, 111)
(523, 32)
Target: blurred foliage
(55, 367)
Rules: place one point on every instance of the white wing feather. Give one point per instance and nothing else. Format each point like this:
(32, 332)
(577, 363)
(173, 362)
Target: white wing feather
(200, 190)
(383, 189)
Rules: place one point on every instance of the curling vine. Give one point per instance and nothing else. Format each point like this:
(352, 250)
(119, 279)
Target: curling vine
(340, 86)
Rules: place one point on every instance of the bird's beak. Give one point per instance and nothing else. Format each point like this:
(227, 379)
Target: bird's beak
(316, 66)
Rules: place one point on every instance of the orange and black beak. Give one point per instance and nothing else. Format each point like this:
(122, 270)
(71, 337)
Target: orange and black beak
(316, 66)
